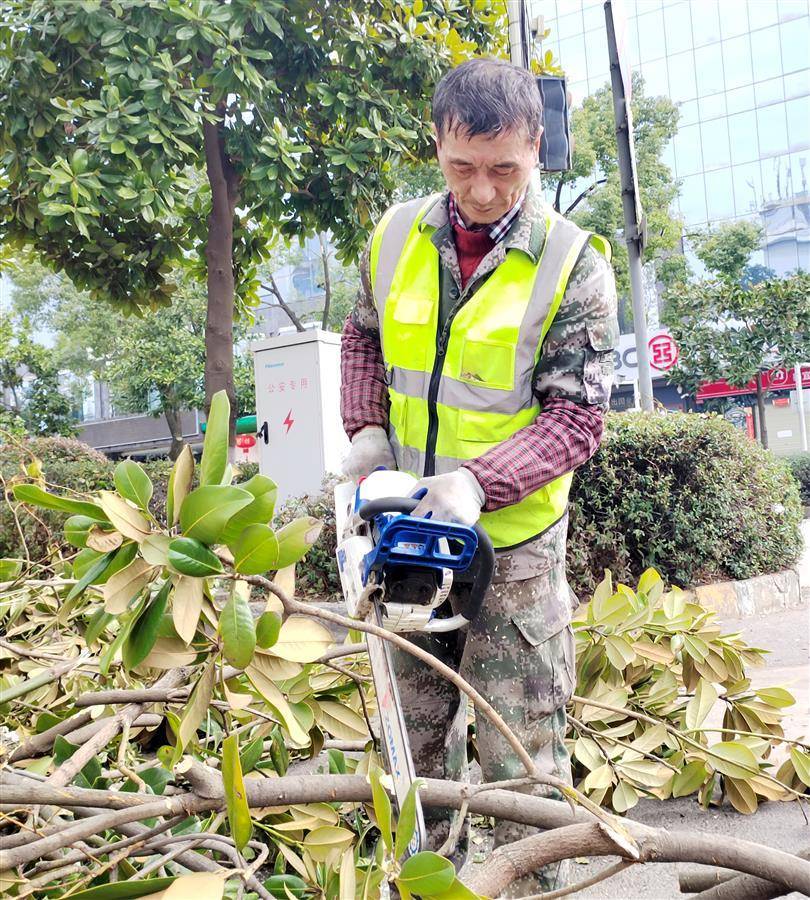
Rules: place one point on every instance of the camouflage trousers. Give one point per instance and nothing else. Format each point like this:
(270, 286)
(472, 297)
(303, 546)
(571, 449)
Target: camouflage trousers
(526, 673)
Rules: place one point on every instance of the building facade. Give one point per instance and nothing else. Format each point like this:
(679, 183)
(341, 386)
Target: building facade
(739, 71)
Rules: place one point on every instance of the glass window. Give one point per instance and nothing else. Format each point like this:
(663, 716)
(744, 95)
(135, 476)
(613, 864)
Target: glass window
(712, 107)
(740, 99)
(596, 52)
(594, 17)
(770, 91)
(651, 35)
(688, 157)
(579, 91)
(737, 61)
(772, 128)
(682, 76)
(800, 166)
(714, 137)
(655, 78)
(566, 7)
(762, 13)
(566, 26)
(774, 182)
(709, 68)
(798, 123)
(668, 156)
(692, 200)
(797, 85)
(719, 195)
(766, 53)
(572, 57)
(795, 44)
(733, 18)
(632, 43)
(792, 9)
(688, 113)
(747, 188)
(678, 25)
(742, 133)
(705, 22)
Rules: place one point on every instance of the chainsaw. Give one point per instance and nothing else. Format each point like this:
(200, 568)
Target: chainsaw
(396, 572)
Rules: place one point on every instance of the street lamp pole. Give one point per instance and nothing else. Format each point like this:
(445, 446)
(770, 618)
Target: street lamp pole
(634, 220)
(800, 401)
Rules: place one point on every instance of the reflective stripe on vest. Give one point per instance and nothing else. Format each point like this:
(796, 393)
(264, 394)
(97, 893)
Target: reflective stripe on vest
(483, 374)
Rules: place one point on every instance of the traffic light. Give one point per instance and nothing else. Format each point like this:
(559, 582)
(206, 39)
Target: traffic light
(555, 144)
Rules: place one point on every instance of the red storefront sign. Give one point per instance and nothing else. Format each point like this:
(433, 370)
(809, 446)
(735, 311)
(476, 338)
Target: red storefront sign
(245, 441)
(663, 352)
(775, 380)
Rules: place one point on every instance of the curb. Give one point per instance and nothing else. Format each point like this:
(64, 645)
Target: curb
(759, 596)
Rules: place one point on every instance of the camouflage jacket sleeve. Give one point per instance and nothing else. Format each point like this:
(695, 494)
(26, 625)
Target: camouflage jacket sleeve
(576, 362)
(363, 391)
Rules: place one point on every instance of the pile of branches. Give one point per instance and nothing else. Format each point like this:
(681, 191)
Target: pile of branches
(167, 706)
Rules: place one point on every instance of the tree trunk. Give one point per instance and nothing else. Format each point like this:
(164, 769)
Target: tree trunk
(176, 430)
(763, 428)
(219, 256)
(327, 285)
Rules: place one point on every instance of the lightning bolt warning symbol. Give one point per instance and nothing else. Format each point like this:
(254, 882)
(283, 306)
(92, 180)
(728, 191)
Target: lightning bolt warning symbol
(288, 422)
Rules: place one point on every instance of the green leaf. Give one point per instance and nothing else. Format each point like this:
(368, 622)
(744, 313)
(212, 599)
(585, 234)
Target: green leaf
(235, 796)
(30, 493)
(76, 528)
(195, 710)
(328, 841)
(776, 696)
(457, 891)
(273, 697)
(733, 759)
(426, 873)
(237, 630)
(133, 483)
(122, 557)
(144, 631)
(382, 807)
(286, 885)
(255, 550)
(215, 446)
(689, 779)
(700, 705)
(180, 481)
(251, 755)
(259, 511)
(190, 557)
(406, 821)
(295, 539)
(10, 569)
(625, 797)
(206, 510)
(268, 627)
(741, 795)
(801, 763)
(125, 890)
(98, 622)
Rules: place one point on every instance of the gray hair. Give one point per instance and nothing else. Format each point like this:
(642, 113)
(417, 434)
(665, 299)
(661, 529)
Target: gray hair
(489, 97)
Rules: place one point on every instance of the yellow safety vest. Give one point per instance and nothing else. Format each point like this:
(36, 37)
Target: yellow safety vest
(458, 394)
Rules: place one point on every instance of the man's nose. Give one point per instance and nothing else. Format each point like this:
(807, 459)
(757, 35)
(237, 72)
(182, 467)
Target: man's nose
(482, 191)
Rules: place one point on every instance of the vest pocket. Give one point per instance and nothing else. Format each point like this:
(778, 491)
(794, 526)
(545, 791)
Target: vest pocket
(489, 364)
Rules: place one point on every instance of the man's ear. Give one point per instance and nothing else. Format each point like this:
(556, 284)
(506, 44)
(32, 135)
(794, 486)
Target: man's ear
(536, 142)
(437, 140)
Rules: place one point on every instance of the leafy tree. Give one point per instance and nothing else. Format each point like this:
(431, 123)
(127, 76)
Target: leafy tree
(153, 362)
(30, 391)
(729, 331)
(725, 251)
(655, 122)
(293, 111)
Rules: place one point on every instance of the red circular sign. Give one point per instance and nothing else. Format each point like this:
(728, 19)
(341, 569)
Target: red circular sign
(245, 441)
(663, 352)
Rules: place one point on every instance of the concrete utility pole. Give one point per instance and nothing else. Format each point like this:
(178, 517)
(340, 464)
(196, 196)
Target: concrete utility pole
(634, 220)
(519, 33)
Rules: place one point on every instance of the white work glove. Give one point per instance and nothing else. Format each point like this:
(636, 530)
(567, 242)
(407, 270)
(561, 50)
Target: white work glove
(370, 449)
(453, 497)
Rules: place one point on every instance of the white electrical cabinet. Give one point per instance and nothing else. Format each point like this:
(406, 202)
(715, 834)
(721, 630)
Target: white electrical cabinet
(300, 432)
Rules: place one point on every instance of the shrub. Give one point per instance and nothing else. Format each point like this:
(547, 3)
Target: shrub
(317, 574)
(67, 464)
(158, 469)
(687, 494)
(800, 467)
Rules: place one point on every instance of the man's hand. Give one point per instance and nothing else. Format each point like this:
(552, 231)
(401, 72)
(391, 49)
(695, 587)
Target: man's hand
(453, 497)
(370, 449)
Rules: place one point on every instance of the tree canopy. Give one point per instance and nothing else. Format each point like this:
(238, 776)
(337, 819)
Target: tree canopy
(139, 132)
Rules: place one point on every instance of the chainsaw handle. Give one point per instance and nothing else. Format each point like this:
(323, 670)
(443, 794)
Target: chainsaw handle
(485, 554)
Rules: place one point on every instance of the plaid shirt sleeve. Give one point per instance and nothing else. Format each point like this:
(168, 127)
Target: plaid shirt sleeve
(572, 381)
(364, 393)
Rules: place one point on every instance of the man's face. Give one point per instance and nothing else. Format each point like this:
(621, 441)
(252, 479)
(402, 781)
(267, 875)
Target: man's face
(486, 173)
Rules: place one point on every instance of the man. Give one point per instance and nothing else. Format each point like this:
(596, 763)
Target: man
(479, 357)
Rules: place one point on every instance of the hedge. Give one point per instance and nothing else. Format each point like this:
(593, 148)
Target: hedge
(687, 494)
(800, 468)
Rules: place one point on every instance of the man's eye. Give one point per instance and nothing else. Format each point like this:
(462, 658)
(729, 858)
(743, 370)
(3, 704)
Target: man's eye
(463, 170)
(504, 171)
